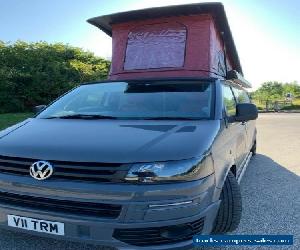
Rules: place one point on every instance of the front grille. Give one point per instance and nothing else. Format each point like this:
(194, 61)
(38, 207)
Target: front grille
(84, 171)
(155, 235)
(101, 210)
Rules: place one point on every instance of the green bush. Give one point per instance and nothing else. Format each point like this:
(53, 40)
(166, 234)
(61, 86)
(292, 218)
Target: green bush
(36, 73)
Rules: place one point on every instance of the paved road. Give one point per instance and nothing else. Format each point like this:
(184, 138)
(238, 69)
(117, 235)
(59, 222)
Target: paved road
(271, 185)
(270, 189)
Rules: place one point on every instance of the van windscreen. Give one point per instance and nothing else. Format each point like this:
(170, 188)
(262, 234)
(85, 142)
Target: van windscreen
(136, 100)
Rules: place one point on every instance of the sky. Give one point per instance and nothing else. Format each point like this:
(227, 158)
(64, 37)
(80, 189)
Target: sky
(266, 32)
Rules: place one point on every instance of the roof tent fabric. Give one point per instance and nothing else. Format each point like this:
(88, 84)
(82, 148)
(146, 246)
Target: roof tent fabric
(183, 40)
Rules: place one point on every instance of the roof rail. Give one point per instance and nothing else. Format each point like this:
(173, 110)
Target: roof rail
(237, 78)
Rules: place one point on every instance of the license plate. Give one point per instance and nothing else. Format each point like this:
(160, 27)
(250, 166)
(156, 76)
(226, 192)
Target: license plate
(42, 226)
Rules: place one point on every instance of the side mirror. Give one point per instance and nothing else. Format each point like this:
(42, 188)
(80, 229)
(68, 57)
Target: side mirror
(246, 112)
(39, 108)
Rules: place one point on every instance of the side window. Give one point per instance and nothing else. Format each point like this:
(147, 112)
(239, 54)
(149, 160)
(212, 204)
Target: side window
(229, 101)
(241, 95)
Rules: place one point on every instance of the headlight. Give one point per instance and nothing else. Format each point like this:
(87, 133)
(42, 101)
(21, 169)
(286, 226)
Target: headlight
(171, 171)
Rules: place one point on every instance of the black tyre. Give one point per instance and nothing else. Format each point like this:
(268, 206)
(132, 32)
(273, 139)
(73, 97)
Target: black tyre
(253, 149)
(230, 211)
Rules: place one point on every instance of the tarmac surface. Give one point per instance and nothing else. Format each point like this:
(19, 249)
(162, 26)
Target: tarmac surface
(270, 190)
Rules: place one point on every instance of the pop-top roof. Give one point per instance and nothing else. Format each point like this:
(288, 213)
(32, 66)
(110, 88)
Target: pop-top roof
(216, 10)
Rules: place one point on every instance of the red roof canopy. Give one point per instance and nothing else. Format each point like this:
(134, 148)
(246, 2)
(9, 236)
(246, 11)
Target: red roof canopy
(182, 40)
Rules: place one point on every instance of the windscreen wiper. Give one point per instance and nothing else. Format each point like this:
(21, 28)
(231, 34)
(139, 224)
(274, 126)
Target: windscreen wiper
(83, 116)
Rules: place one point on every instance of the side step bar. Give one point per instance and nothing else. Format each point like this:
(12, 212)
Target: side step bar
(244, 167)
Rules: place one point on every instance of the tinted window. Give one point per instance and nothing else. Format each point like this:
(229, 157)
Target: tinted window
(241, 95)
(151, 99)
(229, 101)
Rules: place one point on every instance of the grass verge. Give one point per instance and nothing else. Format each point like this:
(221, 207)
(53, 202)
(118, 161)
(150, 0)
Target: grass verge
(7, 120)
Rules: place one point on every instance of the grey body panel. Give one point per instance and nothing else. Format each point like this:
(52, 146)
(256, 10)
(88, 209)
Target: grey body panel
(251, 133)
(110, 140)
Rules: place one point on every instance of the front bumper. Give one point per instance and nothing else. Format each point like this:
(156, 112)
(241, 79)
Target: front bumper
(143, 206)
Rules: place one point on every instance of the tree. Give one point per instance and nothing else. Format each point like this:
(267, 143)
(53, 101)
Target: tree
(269, 91)
(37, 73)
(292, 88)
(275, 91)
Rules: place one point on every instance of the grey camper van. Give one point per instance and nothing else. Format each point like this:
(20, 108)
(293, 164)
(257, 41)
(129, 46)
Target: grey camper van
(149, 157)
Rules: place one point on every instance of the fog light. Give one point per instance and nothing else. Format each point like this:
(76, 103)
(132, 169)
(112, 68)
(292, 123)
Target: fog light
(177, 231)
